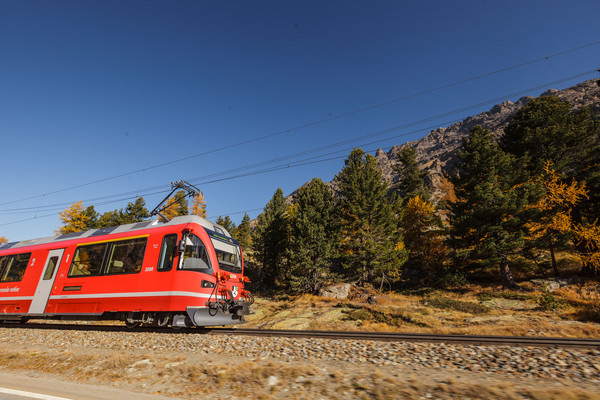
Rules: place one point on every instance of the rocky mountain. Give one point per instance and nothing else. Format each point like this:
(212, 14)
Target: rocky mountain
(436, 151)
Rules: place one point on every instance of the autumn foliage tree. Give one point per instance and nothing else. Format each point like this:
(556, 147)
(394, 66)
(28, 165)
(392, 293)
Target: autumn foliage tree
(423, 236)
(198, 205)
(176, 205)
(74, 218)
(552, 226)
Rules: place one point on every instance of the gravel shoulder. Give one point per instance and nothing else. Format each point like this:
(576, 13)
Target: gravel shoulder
(191, 366)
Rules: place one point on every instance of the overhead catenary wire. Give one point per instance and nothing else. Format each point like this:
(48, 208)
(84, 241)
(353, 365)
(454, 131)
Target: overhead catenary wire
(297, 163)
(321, 121)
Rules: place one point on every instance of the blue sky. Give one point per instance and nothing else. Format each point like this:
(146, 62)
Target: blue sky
(102, 101)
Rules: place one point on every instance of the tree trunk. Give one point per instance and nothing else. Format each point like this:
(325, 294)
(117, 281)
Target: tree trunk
(538, 265)
(553, 257)
(508, 281)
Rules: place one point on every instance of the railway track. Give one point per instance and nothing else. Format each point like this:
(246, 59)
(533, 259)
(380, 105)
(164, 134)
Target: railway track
(422, 337)
(479, 340)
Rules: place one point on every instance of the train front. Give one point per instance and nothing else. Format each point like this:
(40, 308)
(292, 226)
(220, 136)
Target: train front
(227, 301)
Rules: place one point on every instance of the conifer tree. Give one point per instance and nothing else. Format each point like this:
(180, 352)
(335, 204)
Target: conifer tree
(226, 223)
(176, 205)
(74, 218)
(198, 205)
(270, 241)
(370, 247)
(135, 212)
(547, 129)
(551, 225)
(412, 179)
(314, 234)
(243, 233)
(487, 221)
(423, 236)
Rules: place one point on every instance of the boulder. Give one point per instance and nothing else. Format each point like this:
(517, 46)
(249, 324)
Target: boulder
(339, 291)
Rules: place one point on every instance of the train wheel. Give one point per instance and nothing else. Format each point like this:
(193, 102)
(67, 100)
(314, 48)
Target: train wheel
(132, 324)
(163, 320)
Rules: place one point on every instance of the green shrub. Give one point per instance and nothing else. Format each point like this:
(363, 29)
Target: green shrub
(548, 302)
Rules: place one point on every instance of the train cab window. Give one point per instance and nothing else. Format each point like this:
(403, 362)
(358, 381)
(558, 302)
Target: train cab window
(195, 256)
(167, 252)
(51, 267)
(88, 260)
(14, 267)
(127, 256)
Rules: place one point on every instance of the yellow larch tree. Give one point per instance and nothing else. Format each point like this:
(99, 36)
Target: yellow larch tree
(422, 236)
(590, 236)
(74, 218)
(198, 205)
(554, 226)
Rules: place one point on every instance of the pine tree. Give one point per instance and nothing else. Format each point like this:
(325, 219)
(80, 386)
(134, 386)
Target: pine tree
(270, 242)
(547, 129)
(370, 247)
(198, 205)
(487, 221)
(135, 212)
(243, 233)
(314, 233)
(74, 218)
(110, 218)
(412, 179)
(226, 223)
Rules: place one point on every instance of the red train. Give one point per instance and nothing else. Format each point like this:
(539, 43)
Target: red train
(183, 273)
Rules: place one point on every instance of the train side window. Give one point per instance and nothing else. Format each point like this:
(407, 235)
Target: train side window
(127, 256)
(3, 262)
(88, 260)
(14, 268)
(51, 266)
(168, 251)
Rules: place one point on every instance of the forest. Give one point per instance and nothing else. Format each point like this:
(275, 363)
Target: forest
(522, 202)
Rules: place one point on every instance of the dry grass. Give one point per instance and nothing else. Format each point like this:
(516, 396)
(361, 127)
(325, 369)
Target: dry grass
(572, 311)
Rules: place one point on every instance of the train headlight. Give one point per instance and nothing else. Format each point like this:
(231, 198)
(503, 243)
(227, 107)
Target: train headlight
(207, 284)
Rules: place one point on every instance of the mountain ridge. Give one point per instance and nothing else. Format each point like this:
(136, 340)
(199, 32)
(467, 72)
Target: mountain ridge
(437, 151)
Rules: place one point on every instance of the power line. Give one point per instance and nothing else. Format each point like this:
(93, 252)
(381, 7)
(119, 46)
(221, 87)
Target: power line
(202, 180)
(318, 122)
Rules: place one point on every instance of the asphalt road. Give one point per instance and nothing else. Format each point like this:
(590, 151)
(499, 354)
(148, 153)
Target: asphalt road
(22, 387)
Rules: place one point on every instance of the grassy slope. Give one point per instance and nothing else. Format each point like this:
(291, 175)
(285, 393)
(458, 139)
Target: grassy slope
(572, 311)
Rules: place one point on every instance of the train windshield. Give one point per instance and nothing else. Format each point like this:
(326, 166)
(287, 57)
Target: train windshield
(195, 256)
(228, 256)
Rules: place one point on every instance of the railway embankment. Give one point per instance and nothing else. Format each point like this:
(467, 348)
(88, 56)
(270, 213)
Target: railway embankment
(186, 365)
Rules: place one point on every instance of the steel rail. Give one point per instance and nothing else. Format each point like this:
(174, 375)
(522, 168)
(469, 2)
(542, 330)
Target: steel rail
(475, 340)
(486, 340)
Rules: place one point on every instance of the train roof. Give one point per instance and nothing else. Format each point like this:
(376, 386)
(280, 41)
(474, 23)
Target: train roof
(118, 229)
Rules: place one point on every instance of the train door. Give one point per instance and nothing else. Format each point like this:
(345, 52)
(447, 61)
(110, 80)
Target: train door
(42, 293)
